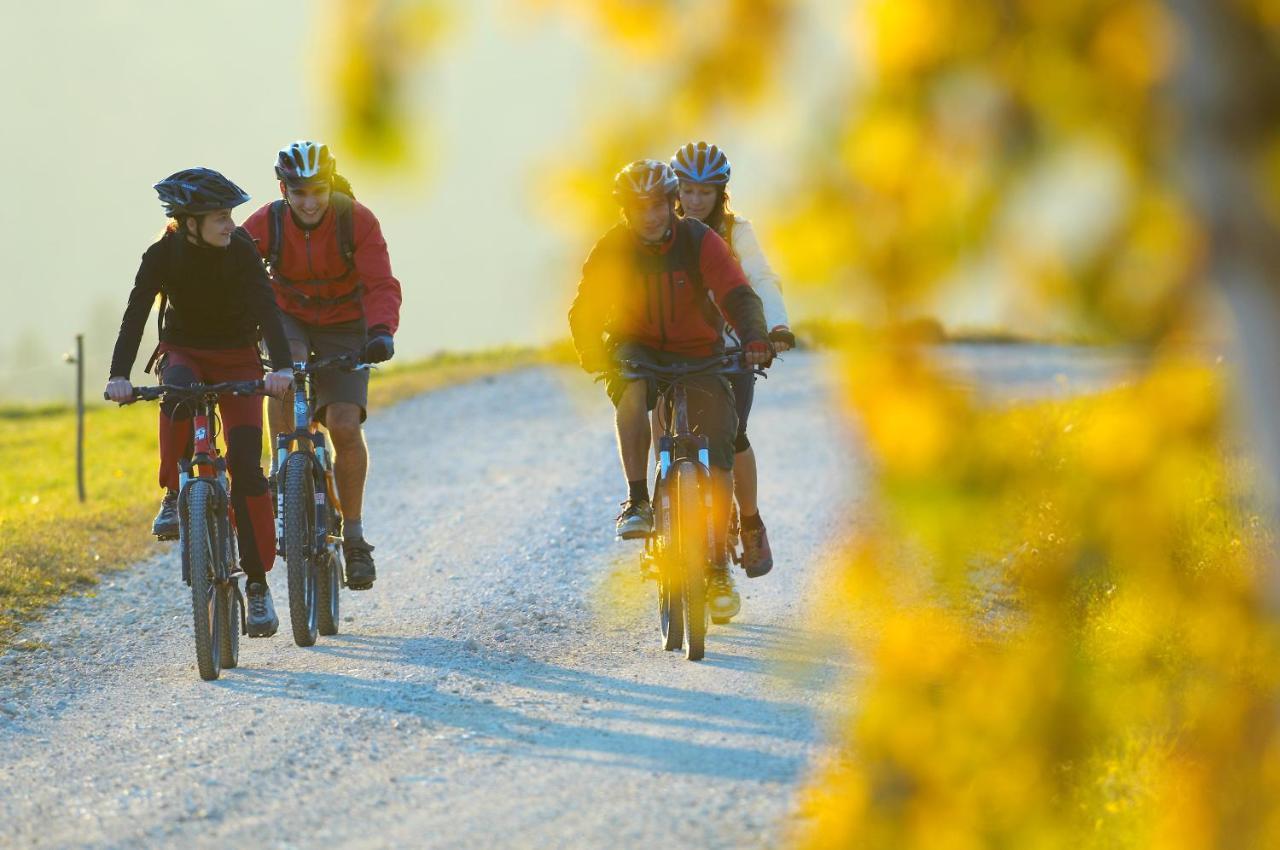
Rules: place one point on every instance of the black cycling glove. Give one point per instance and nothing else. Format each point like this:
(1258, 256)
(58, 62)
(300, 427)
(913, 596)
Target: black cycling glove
(783, 336)
(380, 346)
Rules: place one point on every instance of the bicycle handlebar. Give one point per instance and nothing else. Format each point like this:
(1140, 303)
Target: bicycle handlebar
(195, 392)
(729, 362)
(349, 361)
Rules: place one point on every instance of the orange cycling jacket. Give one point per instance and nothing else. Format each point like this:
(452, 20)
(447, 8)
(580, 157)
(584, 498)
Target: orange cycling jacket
(314, 283)
(657, 296)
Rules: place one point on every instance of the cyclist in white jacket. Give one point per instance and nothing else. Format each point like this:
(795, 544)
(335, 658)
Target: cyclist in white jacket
(704, 194)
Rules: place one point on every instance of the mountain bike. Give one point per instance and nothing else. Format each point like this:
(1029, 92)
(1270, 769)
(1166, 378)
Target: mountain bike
(308, 511)
(683, 545)
(206, 528)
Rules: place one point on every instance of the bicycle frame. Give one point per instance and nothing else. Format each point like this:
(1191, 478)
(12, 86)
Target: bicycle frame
(309, 439)
(315, 444)
(215, 589)
(679, 443)
(206, 464)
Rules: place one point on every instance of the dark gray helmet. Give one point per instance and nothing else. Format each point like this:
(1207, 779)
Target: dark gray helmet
(196, 191)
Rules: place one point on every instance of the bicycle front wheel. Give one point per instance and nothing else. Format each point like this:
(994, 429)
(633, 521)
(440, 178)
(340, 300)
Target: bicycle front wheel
(201, 539)
(670, 599)
(689, 533)
(299, 534)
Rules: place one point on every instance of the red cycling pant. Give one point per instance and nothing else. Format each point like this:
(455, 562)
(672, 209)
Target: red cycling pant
(242, 435)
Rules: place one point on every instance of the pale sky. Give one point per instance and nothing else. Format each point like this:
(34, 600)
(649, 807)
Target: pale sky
(102, 99)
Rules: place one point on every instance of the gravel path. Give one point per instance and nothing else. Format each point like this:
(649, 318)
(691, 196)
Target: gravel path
(502, 686)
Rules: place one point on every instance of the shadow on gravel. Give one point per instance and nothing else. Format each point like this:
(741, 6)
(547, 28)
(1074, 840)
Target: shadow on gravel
(804, 659)
(605, 719)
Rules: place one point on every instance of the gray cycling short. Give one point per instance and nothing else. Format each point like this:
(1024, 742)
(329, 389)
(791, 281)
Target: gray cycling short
(331, 385)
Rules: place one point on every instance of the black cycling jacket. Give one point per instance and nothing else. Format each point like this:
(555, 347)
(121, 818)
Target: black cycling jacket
(218, 298)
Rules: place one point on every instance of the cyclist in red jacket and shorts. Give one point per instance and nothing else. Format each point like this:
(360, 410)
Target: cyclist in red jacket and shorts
(333, 282)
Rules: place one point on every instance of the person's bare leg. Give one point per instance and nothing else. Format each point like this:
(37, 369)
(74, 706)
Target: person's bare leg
(723, 598)
(350, 457)
(757, 555)
(632, 420)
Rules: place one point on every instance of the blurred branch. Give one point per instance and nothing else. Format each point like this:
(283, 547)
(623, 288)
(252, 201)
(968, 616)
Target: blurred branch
(377, 46)
(1228, 92)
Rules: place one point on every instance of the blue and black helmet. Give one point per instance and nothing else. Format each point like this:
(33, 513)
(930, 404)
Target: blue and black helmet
(196, 191)
(701, 163)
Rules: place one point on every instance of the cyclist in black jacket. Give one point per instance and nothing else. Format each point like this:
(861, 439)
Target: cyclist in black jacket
(216, 298)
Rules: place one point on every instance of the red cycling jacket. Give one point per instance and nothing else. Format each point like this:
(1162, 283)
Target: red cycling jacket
(311, 261)
(657, 296)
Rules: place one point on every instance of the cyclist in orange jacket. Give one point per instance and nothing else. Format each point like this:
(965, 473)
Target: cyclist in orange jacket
(332, 278)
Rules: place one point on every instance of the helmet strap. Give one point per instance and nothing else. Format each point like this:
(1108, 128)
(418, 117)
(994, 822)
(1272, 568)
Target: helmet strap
(199, 235)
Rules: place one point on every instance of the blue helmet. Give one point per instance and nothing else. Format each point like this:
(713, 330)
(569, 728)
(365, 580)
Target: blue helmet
(196, 191)
(701, 163)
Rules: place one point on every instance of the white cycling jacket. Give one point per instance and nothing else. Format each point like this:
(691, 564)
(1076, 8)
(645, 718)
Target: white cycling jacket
(741, 236)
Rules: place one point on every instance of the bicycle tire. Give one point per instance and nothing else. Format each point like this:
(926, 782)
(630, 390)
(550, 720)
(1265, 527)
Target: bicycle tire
(200, 538)
(229, 647)
(690, 535)
(299, 514)
(328, 594)
(670, 610)
(670, 599)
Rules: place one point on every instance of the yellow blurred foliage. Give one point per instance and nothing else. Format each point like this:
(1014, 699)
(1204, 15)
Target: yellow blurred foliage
(1062, 602)
(1068, 690)
(376, 46)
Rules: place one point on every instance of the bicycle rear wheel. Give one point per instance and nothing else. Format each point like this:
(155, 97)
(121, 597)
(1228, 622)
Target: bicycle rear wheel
(229, 645)
(689, 532)
(201, 539)
(299, 534)
(328, 588)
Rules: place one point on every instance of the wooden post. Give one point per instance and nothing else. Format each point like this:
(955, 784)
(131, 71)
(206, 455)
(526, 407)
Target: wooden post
(80, 415)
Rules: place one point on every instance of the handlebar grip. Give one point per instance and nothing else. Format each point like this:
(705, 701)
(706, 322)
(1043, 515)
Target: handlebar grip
(783, 336)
